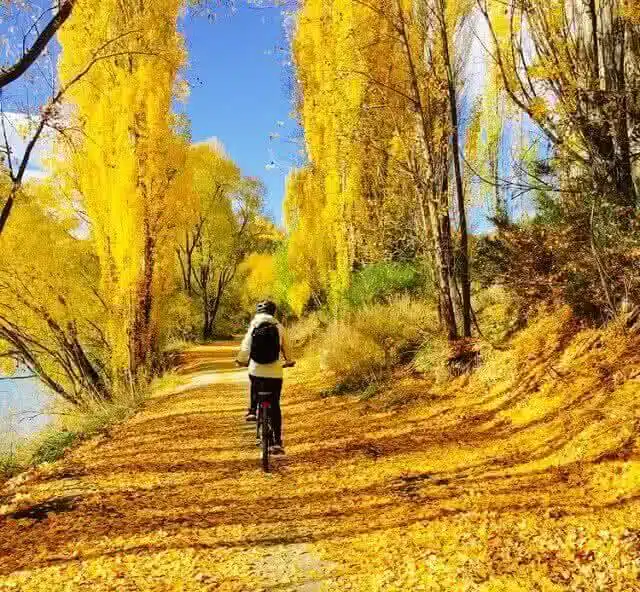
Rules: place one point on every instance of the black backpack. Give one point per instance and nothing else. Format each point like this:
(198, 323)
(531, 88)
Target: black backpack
(265, 343)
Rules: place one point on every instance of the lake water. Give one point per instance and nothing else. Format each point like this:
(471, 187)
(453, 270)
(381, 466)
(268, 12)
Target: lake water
(23, 408)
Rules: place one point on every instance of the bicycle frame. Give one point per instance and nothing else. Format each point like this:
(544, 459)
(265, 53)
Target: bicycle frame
(263, 407)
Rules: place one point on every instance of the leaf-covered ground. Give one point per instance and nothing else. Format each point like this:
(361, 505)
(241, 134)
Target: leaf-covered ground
(445, 494)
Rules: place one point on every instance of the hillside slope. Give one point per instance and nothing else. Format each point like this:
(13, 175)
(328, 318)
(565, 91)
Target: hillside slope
(525, 476)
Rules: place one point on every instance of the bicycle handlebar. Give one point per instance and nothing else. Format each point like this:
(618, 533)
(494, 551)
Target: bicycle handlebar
(289, 364)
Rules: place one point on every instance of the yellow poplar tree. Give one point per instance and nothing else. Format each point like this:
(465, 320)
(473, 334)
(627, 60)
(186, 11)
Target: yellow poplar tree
(124, 165)
(332, 96)
(378, 127)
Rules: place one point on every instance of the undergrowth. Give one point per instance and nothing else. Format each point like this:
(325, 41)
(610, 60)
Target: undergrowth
(363, 348)
(71, 426)
(360, 350)
(369, 350)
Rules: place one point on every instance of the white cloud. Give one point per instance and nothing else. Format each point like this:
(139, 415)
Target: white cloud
(215, 143)
(17, 125)
(476, 66)
(19, 128)
(35, 174)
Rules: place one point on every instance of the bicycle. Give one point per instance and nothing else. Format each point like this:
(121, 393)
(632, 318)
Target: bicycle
(264, 428)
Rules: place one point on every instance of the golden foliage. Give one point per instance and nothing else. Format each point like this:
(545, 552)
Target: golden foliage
(51, 316)
(124, 164)
(258, 269)
(350, 203)
(325, 51)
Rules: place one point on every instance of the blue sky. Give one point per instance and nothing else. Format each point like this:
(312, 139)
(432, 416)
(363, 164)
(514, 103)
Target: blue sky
(239, 92)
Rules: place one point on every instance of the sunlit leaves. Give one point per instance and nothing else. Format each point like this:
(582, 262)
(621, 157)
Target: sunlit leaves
(220, 223)
(124, 164)
(48, 300)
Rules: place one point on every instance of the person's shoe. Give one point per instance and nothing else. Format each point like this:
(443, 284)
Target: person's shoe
(277, 449)
(250, 416)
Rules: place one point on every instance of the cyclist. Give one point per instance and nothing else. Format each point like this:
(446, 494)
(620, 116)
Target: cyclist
(264, 349)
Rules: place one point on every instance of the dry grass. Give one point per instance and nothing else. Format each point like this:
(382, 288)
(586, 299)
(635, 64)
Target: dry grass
(304, 331)
(363, 348)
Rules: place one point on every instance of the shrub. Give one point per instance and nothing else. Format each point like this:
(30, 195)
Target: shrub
(9, 464)
(301, 333)
(496, 313)
(97, 418)
(182, 318)
(518, 258)
(53, 446)
(353, 359)
(362, 348)
(73, 425)
(432, 358)
(76, 424)
(226, 326)
(398, 327)
(378, 282)
(582, 253)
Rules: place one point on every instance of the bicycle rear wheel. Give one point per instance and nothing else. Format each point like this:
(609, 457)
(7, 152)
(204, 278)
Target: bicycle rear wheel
(259, 426)
(266, 441)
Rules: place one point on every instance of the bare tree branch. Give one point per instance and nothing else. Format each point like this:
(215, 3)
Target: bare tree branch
(9, 75)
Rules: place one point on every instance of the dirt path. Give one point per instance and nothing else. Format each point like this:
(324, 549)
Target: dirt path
(366, 499)
(169, 501)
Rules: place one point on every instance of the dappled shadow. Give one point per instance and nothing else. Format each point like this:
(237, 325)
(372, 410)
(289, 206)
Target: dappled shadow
(41, 511)
(188, 468)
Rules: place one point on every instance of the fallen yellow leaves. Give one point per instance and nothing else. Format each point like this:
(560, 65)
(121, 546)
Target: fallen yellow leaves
(444, 495)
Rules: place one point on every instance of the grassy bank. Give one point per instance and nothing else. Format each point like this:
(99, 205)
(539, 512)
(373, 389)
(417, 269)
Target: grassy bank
(370, 344)
(557, 387)
(73, 425)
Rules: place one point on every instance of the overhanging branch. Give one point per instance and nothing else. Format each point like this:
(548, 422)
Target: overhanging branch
(12, 73)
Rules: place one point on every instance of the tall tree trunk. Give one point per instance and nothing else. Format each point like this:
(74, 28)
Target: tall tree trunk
(465, 280)
(438, 203)
(207, 329)
(6, 209)
(623, 145)
(206, 317)
(441, 236)
(448, 270)
(212, 307)
(143, 346)
(207, 326)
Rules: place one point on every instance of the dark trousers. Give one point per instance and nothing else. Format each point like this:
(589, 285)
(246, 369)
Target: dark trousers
(274, 386)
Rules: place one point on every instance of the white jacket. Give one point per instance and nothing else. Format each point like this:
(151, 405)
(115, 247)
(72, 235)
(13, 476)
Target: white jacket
(273, 370)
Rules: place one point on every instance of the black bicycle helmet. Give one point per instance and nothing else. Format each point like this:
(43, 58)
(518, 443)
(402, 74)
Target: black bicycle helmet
(266, 307)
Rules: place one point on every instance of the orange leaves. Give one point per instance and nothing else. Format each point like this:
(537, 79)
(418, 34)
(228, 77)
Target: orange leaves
(440, 493)
(631, 11)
